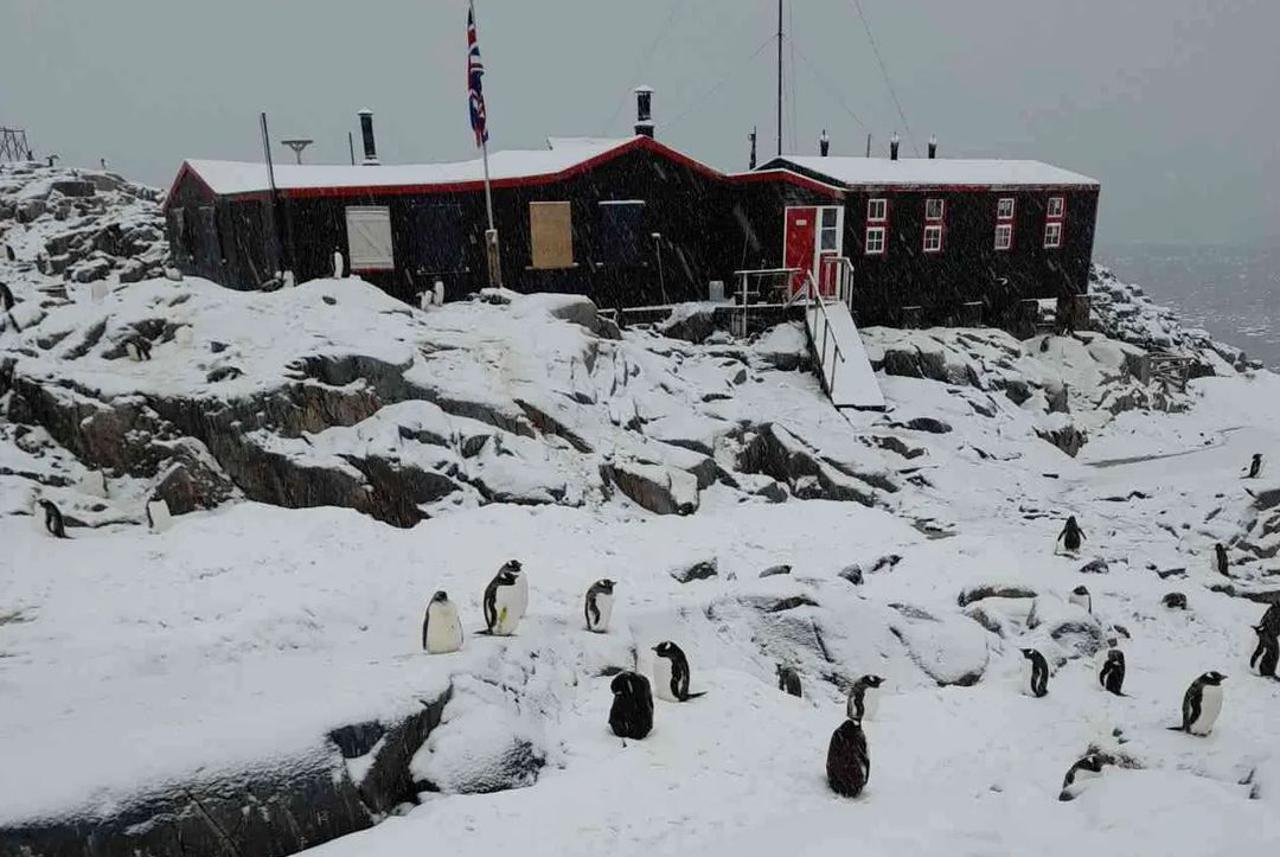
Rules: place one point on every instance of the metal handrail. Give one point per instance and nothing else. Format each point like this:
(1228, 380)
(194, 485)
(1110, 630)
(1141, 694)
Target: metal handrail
(744, 293)
(818, 305)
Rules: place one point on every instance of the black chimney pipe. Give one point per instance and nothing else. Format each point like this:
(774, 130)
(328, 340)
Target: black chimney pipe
(366, 133)
(893, 147)
(751, 165)
(824, 143)
(644, 111)
(933, 147)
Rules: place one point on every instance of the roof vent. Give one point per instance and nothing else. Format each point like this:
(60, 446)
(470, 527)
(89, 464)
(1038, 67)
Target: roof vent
(366, 133)
(644, 111)
(824, 143)
(893, 147)
(933, 147)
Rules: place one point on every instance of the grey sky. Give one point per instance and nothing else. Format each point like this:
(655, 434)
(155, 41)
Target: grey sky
(1172, 104)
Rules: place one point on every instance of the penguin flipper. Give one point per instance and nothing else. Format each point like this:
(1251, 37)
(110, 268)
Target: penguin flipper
(426, 620)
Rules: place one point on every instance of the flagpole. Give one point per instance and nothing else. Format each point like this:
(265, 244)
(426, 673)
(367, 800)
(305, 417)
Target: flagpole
(492, 255)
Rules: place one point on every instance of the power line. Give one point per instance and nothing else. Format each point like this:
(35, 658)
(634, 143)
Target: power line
(645, 56)
(830, 88)
(884, 71)
(791, 29)
(697, 102)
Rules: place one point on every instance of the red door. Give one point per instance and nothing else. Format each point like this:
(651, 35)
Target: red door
(800, 243)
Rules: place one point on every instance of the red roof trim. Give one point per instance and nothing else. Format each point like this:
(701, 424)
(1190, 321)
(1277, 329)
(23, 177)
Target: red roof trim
(788, 177)
(183, 171)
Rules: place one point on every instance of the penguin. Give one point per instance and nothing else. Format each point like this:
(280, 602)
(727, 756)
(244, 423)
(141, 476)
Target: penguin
(9, 254)
(1111, 676)
(632, 713)
(1087, 768)
(671, 673)
(1271, 620)
(53, 520)
(1220, 562)
(288, 280)
(338, 265)
(1202, 704)
(1254, 470)
(864, 699)
(441, 627)
(1080, 596)
(848, 760)
(1035, 674)
(789, 680)
(1174, 601)
(1071, 535)
(599, 605)
(505, 600)
(1267, 654)
(158, 517)
(139, 349)
(6, 298)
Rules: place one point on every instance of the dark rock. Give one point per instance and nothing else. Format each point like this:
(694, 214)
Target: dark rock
(357, 739)
(1174, 601)
(929, 424)
(791, 603)
(388, 782)
(189, 483)
(698, 571)
(223, 373)
(886, 563)
(1095, 566)
(690, 322)
(1069, 438)
(653, 487)
(993, 590)
(775, 570)
(1084, 639)
(896, 444)
(789, 680)
(852, 573)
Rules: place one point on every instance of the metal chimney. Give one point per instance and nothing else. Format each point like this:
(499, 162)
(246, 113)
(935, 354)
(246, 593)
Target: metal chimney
(893, 147)
(933, 147)
(824, 143)
(644, 111)
(366, 132)
(751, 165)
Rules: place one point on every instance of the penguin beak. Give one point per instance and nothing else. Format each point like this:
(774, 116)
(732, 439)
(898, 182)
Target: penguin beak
(655, 648)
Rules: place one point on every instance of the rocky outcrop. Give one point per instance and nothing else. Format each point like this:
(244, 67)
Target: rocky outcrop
(655, 487)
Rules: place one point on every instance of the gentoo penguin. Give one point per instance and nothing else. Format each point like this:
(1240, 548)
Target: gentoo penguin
(1111, 676)
(53, 520)
(864, 699)
(1254, 470)
(158, 517)
(1202, 704)
(789, 680)
(1080, 597)
(632, 713)
(848, 760)
(599, 606)
(338, 265)
(671, 673)
(1088, 768)
(1271, 619)
(505, 600)
(1267, 654)
(9, 254)
(138, 348)
(1071, 535)
(1035, 673)
(441, 627)
(1220, 562)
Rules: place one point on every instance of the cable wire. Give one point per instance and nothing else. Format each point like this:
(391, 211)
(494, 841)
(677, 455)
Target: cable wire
(884, 71)
(831, 89)
(697, 102)
(645, 56)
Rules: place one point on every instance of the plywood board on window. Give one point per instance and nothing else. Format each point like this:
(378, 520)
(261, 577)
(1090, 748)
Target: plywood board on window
(551, 234)
(369, 243)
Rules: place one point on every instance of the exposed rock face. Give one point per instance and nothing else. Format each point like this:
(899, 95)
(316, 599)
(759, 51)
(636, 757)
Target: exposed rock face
(994, 590)
(700, 570)
(657, 488)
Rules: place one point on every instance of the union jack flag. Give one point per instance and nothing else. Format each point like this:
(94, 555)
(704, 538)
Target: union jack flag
(475, 70)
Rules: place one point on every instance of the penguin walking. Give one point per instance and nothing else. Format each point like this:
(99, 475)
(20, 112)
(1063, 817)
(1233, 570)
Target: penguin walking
(848, 760)
(599, 605)
(671, 673)
(864, 699)
(1202, 704)
(1254, 470)
(505, 600)
(1266, 654)
(1220, 562)
(1087, 768)
(1111, 676)
(53, 520)
(158, 517)
(632, 713)
(1035, 673)
(138, 348)
(441, 627)
(789, 680)
(1271, 619)
(1081, 598)
(1071, 535)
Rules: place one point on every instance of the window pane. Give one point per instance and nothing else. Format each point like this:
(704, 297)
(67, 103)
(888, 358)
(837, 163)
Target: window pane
(829, 216)
(621, 239)
(828, 239)
(1006, 208)
(933, 209)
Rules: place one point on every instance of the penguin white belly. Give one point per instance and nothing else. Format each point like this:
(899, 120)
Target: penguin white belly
(662, 680)
(1081, 601)
(1210, 708)
(1028, 674)
(520, 597)
(444, 629)
(870, 703)
(604, 604)
(161, 520)
(132, 350)
(507, 603)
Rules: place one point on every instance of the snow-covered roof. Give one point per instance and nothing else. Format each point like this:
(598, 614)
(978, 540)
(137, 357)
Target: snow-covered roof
(851, 171)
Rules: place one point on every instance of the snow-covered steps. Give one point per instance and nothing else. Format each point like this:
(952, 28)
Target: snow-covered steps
(847, 375)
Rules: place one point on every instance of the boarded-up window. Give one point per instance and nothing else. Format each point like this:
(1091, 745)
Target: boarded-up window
(621, 238)
(551, 234)
(369, 238)
(178, 234)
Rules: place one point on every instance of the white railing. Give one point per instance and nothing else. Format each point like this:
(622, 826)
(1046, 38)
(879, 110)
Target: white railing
(760, 277)
(815, 312)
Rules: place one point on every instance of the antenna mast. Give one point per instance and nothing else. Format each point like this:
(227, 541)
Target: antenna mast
(779, 78)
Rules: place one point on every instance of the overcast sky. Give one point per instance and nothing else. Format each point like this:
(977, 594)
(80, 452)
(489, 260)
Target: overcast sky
(1171, 104)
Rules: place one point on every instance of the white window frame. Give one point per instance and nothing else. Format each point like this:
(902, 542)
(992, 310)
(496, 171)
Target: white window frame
(1054, 228)
(881, 233)
(837, 230)
(881, 204)
(1000, 204)
(1007, 230)
(1059, 203)
(942, 210)
(933, 229)
(370, 245)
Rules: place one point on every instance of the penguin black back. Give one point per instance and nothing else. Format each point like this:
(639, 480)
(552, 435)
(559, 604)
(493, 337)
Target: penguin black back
(1039, 679)
(53, 520)
(1071, 535)
(1255, 466)
(1089, 766)
(1111, 676)
(506, 576)
(6, 297)
(1220, 560)
(632, 713)
(788, 680)
(1266, 655)
(679, 664)
(848, 760)
(1271, 619)
(591, 608)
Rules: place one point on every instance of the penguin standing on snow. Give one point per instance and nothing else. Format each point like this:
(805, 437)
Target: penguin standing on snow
(1202, 704)
(1271, 619)
(1071, 535)
(1035, 673)
(671, 673)
(848, 760)
(599, 606)
(505, 600)
(1220, 562)
(864, 699)
(1254, 470)
(1081, 598)
(1267, 654)
(338, 265)
(158, 517)
(139, 349)
(1088, 768)
(789, 680)
(441, 627)
(9, 254)
(53, 520)
(632, 713)
(1111, 676)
